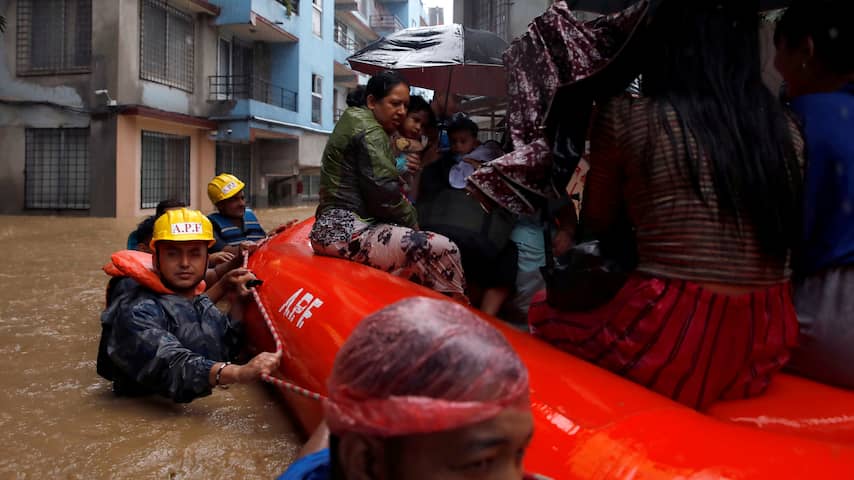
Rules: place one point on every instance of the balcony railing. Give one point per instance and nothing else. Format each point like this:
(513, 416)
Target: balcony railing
(386, 22)
(338, 113)
(233, 87)
(342, 38)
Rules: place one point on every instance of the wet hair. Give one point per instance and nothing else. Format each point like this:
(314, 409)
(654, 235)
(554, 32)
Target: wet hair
(830, 24)
(703, 62)
(417, 104)
(356, 98)
(420, 366)
(381, 84)
(145, 230)
(462, 123)
(166, 205)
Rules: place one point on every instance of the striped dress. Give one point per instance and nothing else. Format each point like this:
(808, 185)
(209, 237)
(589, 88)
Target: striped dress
(671, 328)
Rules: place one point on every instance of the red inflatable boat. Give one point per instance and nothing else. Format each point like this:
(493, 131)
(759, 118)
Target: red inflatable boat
(590, 423)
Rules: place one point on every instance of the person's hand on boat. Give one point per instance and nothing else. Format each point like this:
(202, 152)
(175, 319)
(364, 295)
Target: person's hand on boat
(231, 284)
(247, 247)
(237, 279)
(263, 363)
(223, 374)
(219, 258)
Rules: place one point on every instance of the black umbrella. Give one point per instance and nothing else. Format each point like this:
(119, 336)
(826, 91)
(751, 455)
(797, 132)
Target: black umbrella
(449, 58)
(611, 6)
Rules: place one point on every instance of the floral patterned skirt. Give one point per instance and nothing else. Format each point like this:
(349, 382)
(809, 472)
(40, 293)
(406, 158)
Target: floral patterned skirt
(425, 258)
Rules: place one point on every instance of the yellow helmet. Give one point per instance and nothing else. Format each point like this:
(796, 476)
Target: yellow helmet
(223, 187)
(182, 225)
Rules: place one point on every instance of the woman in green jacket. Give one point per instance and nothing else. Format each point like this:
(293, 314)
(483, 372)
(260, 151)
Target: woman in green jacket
(363, 216)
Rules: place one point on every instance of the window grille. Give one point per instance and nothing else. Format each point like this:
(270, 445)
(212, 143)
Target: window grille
(316, 98)
(165, 168)
(57, 168)
(167, 38)
(54, 36)
(310, 188)
(236, 159)
(491, 15)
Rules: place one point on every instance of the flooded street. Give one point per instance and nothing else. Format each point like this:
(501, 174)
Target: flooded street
(59, 419)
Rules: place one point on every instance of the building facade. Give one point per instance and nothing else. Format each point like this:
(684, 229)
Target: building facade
(436, 16)
(109, 106)
(506, 18)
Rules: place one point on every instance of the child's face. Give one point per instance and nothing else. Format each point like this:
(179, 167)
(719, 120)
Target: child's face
(414, 124)
(462, 142)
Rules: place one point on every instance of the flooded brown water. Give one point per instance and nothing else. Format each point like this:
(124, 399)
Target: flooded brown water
(59, 419)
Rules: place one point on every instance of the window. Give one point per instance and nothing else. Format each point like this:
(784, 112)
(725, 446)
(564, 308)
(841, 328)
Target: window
(317, 17)
(490, 15)
(165, 168)
(310, 188)
(235, 64)
(316, 98)
(235, 158)
(166, 45)
(57, 168)
(54, 36)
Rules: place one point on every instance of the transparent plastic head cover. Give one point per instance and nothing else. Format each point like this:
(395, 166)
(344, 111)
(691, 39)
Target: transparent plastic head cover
(423, 366)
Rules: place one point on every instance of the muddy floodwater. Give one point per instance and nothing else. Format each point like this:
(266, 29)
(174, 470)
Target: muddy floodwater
(60, 420)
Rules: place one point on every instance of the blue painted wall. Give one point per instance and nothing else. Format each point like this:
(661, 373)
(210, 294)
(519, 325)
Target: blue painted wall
(408, 11)
(399, 10)
(316, 56)
(292, 64)
(415, 11)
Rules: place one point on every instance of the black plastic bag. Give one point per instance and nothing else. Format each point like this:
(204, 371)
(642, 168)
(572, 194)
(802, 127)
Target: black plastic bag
(584, 279)
(591, 273)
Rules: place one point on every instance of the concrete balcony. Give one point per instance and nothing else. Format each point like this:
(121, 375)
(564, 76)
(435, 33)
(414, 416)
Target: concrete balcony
(386, 23)
(272, 21)
(346, 40)
(346, 43)
(355, 18)
(243, 105)
(240, 87)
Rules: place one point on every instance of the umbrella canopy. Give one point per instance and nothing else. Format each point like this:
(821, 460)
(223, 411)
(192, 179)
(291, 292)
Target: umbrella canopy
(612, 6)
(448, 58)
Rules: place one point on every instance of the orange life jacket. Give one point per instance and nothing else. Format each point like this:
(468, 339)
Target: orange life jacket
(139, 266)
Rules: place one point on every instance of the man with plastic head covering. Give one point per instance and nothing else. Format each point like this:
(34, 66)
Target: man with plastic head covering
(234, 223)
(422, 389)
(161, 332)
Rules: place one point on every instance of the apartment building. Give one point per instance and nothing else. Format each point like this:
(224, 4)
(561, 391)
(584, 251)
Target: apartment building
(506, 18)
(436, 16)
(109, 106)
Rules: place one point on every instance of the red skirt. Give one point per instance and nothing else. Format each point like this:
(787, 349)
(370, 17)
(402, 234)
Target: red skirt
(679, 339)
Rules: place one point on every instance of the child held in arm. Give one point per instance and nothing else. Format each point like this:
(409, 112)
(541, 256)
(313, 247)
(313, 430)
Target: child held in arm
(491, 274)
(409, 142)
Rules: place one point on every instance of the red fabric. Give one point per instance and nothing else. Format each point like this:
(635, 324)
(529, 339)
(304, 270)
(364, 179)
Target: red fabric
(556, 50)
(679, 339)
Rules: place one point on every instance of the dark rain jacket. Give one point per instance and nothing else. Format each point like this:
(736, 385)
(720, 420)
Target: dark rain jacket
(359, 174)
(164, 344)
